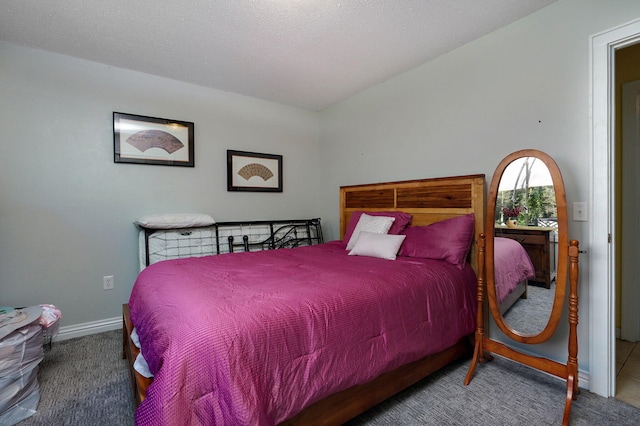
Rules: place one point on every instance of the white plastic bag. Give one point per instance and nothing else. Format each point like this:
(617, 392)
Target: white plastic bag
(20, 353)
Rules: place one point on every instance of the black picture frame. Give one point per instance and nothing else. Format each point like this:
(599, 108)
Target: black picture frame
(254, 171)
(139, 139)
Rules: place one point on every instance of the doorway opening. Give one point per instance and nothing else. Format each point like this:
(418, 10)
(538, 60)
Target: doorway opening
(627, 178)
(605, 247)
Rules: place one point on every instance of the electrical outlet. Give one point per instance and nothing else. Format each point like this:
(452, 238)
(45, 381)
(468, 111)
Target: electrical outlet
(580, 212)
(107, 282)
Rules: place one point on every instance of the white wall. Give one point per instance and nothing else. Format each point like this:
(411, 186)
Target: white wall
(67, 211)
(523, 86)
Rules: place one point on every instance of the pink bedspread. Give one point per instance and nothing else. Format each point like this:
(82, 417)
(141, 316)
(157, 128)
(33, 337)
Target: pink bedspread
(511, 265)
(254, 338)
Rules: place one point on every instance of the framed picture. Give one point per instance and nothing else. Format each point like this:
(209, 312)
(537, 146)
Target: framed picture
(252, 171)
(149, 140)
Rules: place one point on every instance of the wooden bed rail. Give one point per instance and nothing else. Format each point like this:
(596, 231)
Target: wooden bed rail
(139, 383)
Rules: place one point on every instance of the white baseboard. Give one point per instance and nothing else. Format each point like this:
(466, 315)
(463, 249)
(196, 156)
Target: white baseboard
(87, 328)
(583, 379)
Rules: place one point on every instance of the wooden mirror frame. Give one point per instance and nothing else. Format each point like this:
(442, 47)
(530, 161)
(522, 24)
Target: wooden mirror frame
(567, 261)
(561, 269)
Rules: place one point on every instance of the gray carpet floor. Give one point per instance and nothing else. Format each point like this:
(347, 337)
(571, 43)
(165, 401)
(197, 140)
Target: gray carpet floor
(85, 382)
(530, 315)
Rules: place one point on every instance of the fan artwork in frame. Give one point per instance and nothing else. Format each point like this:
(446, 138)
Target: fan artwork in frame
(150, 140)
(252, 171)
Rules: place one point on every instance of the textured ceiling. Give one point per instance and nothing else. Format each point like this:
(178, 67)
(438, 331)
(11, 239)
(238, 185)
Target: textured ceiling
(304, 53)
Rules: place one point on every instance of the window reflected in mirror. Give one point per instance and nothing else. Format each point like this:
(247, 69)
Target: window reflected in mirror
(526, 196)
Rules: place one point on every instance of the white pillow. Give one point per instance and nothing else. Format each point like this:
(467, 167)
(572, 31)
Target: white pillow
(175, 220)
(384, 246)
(375, 224)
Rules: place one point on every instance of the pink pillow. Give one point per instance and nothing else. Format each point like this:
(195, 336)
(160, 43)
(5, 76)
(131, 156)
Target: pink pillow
(401, 222)
(448, 240)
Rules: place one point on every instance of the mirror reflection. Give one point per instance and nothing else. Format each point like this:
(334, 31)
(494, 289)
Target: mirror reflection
(525, 231)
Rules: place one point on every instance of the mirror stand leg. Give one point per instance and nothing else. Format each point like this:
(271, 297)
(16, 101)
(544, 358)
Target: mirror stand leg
(572, 361)
(477, 356)
(486, 357)
(571, 382)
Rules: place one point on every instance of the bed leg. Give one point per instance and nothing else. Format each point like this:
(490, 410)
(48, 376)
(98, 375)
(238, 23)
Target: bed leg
(125, 338)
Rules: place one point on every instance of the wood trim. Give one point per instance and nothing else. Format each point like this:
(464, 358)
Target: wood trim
(539, 363)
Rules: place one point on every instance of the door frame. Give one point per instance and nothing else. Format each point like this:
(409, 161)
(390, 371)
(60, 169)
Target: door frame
(602, 248)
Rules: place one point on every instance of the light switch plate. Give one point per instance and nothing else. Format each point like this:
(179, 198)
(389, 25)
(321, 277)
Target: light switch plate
(580, 212)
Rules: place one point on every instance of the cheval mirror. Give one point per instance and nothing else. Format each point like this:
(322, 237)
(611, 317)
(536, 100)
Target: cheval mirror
(524, 260)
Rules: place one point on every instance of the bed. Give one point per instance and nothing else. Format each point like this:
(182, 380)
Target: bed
(334, 372)
(513, 268)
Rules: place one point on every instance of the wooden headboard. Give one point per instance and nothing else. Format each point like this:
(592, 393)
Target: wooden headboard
(428, 200)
